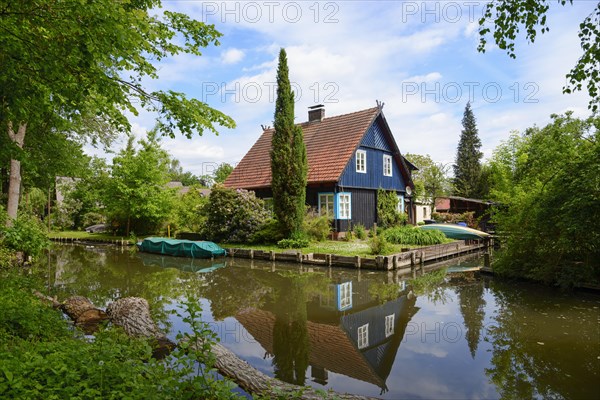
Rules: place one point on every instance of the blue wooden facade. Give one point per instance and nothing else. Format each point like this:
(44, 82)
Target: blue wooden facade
(351, 198)
(375, 146)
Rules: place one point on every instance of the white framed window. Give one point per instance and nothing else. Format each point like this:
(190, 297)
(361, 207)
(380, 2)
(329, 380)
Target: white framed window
(326, 206)
(387, 165)
(345, 296)
(400, 205)
(344, 206)
(389, 325)
(361, 161)
(363, 336)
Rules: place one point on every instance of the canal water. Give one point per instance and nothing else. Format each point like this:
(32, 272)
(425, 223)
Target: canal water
(364, 332)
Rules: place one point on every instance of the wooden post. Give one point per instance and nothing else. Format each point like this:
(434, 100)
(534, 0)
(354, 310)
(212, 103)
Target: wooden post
(357, 261)
(272, 255)
(328, 259)
(395, 262)
(486, 260)
(251, 254)
(299, 257)
(413, 258)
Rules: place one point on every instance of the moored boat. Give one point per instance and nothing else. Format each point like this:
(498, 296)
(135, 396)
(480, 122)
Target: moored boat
(458, 232)
(181, 248)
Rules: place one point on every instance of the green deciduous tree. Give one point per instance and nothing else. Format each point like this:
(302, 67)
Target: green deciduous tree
(467, 168)
(222, 172)
(136, 195)
(431, 179)
(288, 157)
(504, 19)
(548, 180)
(87, 60)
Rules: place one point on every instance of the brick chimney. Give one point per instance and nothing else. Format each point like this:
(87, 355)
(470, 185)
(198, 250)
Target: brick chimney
(316, 113)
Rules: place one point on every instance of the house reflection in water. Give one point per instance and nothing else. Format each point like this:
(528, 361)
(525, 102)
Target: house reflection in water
(349, 332)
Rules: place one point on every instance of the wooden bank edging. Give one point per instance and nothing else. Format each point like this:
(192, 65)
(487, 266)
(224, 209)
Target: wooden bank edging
(406, 260)
(117, 242)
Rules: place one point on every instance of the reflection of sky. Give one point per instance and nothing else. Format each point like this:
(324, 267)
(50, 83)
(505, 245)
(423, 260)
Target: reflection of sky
(434, 356)
(433, 359)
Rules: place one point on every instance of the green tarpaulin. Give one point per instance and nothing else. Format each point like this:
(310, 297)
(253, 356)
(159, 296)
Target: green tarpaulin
(181, 248)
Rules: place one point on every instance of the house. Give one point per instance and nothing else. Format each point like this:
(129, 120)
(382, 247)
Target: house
(361, 343)
(349, 156)
(459, 205)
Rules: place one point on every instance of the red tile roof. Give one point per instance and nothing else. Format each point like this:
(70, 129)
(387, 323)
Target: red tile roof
(329, 145)
(330, 347)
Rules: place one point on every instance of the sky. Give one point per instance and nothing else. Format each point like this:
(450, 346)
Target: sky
(419, 58)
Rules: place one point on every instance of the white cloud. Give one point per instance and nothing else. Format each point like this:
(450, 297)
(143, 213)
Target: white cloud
(232, 56)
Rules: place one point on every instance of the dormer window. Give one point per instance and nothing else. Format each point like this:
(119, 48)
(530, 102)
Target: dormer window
(361, 161)
(387, 165)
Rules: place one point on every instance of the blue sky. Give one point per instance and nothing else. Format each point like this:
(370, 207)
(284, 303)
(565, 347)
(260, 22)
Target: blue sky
(419, 58)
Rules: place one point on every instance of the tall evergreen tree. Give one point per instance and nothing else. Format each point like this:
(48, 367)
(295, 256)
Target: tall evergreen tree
(467, 169)
(288, 157)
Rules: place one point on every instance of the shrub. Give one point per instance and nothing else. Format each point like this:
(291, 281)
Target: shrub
(7, 258)
(414, 236)
(27, 235)
(317, 227)
(41, 358)
(378, 245)
(387, 209)
(293, 243)
(92, 218)
(349, 236)
(269, 232)
(360, 231)
(233, 216)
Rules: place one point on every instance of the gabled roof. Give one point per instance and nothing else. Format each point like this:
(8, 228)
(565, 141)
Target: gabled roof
(329, 145)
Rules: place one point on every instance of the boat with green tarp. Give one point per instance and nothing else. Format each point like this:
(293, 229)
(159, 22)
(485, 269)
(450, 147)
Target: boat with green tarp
(458, 232)
(181, 248)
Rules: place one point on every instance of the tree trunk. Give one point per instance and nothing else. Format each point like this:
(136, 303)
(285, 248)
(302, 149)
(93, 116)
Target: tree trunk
(14, 183)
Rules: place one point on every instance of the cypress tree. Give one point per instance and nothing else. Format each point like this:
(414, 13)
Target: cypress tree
(467, 169)
(288, 158)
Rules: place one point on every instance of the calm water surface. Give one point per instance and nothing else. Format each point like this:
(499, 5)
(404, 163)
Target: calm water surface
(370, 333)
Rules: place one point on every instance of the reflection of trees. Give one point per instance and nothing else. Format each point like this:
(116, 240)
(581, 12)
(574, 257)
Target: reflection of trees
(230, 291)
(290, 333)
(472, 303)
(539, 353)
(104, 274)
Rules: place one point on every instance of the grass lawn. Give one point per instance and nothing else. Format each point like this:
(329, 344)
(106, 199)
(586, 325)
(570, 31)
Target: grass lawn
(85, 235)
(342, 248)
(339, 247)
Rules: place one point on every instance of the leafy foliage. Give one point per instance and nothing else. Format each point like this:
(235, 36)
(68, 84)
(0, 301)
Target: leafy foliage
(289, 167)
(41, 358)
(508, 16)
(316, 227)
(233, 216)
(414, 236)
(548, 180)
(467, 168)
(387, 209)
(27, 234)
(430, 179)
(70, 62)
(378, 245)
(136, 195)
(189, 210)
(268, 232)
(360, 231)
(293, 243)
(222, 172)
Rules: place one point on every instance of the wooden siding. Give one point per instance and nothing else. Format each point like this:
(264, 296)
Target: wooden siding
(375, 145)
(375, 139)
(375, 317)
